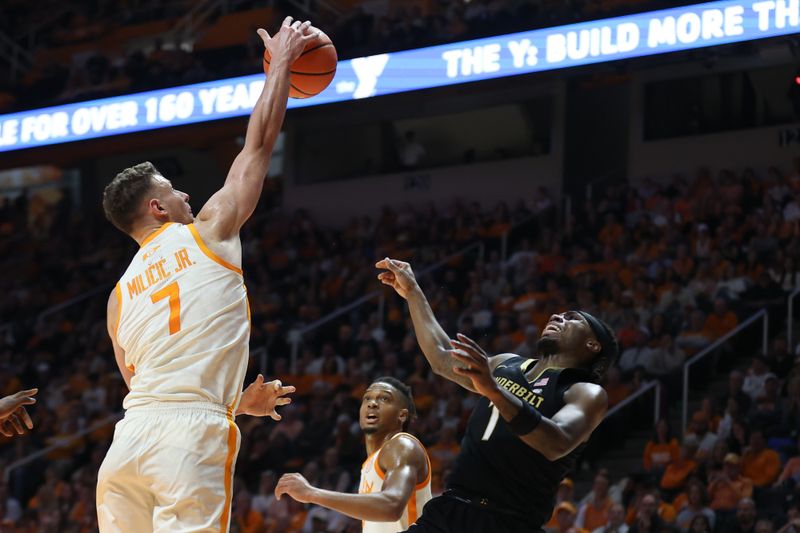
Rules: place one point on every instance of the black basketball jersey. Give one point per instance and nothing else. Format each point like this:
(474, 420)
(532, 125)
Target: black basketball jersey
(495, 464)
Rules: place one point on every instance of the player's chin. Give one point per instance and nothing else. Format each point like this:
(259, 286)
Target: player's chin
(369, 429)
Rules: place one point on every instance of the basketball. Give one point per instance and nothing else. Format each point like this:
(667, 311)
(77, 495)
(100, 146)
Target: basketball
(314, 69)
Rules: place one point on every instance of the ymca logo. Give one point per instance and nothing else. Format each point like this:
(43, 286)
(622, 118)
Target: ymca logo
(368, 70)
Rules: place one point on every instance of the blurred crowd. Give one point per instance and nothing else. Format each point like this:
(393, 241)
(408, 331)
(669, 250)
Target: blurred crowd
(164, 61)
(735, 469)
(671, 267)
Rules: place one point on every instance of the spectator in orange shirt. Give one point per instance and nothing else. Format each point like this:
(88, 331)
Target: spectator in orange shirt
(565, 518)
(246, 518)
(609, 265)
(721, 321)
(677, 472)
(662, 449)
(616, 389)
(666, 512)
(580, 264)
(709, 409)
(444, 452)
(728, 488)
(611, 233)
(694, 336)
(298, 512)
(564, 494)
(683, 264)
(594, 513)
(759, 463)
(753, 266)
(616, 521)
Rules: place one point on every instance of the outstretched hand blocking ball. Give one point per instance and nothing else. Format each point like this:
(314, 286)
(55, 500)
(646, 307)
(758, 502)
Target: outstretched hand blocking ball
(314, 70)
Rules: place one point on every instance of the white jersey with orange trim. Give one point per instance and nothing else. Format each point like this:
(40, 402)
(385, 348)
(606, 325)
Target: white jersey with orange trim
(372, 477)
(183, 322)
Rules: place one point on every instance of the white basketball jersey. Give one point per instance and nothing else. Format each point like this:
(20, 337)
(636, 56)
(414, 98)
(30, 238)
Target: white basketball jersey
(184, 321)
(372, 477)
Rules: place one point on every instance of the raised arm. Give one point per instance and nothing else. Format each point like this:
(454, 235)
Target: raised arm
(584, 409)
(405, 464)
(432, 339)
(227, 210)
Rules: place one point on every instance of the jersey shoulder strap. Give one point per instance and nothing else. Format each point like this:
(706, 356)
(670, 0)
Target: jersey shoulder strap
(568, 377)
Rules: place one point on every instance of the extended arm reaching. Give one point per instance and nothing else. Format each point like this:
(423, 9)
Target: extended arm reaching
(432, 339)
(404, 463)
(228, 209)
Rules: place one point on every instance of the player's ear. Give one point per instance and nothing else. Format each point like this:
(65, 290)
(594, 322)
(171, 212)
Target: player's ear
(155, 208)
(403, 416)
(593, 345)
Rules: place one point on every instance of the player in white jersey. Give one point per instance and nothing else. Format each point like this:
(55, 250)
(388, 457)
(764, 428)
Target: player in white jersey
(179, 324)
(396, 477)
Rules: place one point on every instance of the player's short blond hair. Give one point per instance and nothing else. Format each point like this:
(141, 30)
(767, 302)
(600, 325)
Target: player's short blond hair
(122, 196)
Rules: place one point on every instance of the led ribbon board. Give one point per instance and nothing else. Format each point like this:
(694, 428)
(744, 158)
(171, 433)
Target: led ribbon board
(656, 32)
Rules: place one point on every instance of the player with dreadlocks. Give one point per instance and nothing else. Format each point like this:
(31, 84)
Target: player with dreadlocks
(530, 424)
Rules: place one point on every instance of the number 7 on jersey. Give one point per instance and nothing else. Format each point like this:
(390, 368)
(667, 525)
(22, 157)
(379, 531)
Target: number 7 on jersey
(173, 292)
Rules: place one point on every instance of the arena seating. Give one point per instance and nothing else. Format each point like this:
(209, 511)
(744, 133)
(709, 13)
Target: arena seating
(661, 263)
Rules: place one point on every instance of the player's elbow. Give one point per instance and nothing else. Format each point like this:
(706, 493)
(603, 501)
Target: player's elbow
(393, 508)
(553, 454)
(395, 513)
(554, 449)
(560, 455)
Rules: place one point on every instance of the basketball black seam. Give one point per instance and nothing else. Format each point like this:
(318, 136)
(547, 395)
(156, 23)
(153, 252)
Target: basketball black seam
(293, 86)
(316, 48)
(313, 73)
(307, 73)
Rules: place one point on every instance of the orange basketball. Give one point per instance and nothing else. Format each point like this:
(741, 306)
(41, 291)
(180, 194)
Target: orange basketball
(314, 69)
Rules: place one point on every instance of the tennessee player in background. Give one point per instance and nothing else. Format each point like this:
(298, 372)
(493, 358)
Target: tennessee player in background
(396, 477)
(533, 419)
(179, 324)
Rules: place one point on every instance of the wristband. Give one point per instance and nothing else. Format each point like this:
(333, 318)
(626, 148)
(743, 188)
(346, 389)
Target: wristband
(525, 420)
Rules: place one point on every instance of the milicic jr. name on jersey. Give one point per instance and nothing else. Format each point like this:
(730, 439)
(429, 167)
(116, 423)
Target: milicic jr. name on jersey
(521, 391)
(157, 271)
